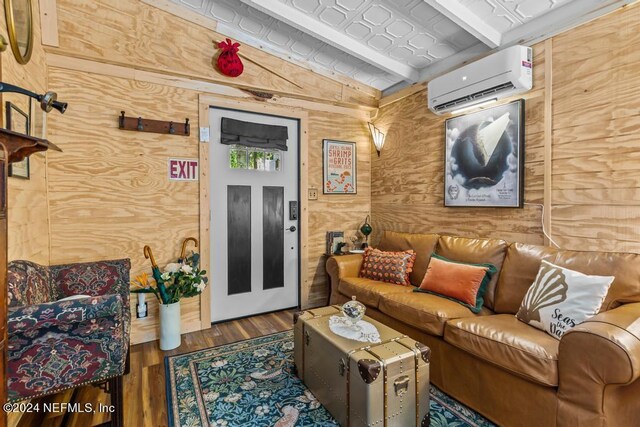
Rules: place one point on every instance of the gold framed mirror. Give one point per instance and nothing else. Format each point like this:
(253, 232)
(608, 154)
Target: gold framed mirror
(19, 15)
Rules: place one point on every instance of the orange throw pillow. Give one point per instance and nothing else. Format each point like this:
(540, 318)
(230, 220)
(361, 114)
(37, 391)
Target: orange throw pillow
(462, 282)
(391, 267)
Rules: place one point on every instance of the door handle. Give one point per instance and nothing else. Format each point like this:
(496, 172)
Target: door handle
(292, 228)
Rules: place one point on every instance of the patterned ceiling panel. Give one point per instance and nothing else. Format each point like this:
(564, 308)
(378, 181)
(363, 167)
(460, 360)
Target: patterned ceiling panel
(383, 39)
(504, 15)
(255, 28)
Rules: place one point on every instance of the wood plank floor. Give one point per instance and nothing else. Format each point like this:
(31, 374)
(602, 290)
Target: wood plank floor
(144, 387)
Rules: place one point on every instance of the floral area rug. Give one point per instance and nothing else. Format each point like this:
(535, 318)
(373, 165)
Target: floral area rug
(250, 383)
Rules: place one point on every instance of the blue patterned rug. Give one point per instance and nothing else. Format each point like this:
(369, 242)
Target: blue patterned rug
(250, 384)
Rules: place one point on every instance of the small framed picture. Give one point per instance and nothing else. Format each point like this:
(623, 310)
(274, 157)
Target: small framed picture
(18, 121)
(339, 162)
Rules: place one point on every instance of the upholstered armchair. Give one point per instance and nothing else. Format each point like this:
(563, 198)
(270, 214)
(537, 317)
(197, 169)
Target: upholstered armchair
(56, 344)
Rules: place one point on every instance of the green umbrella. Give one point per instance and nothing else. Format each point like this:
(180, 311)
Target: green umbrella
(164, 296)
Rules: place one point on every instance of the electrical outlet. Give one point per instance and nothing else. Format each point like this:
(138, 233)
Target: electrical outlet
(313, 194)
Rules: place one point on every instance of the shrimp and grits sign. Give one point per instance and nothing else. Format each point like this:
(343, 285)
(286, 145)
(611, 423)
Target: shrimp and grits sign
(339, 167)
(183, 169)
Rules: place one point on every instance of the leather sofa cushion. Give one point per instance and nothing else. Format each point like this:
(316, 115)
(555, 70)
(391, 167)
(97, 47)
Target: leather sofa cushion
(425, 312)
(519, 271)
(476, 251)
(369, 291)
(625, 267)
(423, 245)
(508, 343)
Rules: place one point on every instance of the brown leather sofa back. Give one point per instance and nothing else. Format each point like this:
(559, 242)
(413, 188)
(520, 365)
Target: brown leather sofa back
(475, 251)
(423, 244)
(518, 273)
(625, 267)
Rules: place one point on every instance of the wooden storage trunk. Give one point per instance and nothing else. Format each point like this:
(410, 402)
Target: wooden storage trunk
(361, 384)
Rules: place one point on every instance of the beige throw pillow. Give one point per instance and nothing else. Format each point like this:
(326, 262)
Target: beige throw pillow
(560, 299)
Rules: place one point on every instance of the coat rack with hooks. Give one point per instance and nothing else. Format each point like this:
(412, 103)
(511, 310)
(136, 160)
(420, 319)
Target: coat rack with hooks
(156, 126)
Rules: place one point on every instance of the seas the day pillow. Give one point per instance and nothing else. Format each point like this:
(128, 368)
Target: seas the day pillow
(560, 299)
(458, 281)
(391, 267)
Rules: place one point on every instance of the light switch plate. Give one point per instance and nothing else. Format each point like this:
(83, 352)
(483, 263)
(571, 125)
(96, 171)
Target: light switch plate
(313, 194)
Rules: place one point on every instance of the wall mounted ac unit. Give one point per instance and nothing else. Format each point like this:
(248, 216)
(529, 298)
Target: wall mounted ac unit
(504, 73)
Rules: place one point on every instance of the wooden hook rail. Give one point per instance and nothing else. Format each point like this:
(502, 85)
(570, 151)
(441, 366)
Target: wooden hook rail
(156, 126)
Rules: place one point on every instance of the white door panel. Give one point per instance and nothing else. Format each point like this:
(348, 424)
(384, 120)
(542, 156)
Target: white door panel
(237, 183)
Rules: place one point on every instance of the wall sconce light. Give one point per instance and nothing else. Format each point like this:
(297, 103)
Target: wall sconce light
(378, 137)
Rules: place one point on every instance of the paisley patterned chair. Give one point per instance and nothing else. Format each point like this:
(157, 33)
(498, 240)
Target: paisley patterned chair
(56, 344)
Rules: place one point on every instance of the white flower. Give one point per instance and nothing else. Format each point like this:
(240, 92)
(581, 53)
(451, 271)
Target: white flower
(264, 394)
(166, 276)
(186, 268)
(248, 385)
(219, 423)
(200, 286)
(218, 363)
(172, 267)
(211, 397)
(233, 398)
(262, 410)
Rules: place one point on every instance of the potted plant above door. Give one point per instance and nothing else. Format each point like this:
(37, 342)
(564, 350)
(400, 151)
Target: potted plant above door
(182, 279)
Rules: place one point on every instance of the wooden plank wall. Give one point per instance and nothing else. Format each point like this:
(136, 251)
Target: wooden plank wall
(593, 121)
(596, 134)
(28, 230)
(109, 194)
(407, 179)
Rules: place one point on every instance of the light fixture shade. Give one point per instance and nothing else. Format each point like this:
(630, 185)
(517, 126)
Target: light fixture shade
(378, 137)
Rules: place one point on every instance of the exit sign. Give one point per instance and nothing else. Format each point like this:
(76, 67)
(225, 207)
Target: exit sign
(183, 169)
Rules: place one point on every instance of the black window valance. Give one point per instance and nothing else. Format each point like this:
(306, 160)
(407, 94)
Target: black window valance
(254, 134)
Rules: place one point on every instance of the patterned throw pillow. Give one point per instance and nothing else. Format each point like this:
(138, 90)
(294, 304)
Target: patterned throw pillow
(560, 299)
(391, 267)
(458, 281)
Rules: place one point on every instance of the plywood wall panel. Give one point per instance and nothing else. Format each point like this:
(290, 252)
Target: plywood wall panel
(132, 33)
(407, 179)
(596, 148)
(109, 194)
(334, 212)
(28, 225)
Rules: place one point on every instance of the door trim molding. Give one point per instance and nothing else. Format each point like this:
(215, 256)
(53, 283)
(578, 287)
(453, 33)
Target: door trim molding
(205, 102)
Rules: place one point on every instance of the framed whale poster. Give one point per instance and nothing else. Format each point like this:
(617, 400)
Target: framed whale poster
(484, 158)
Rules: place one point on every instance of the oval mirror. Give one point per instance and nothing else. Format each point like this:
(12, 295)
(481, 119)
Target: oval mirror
(20, 29)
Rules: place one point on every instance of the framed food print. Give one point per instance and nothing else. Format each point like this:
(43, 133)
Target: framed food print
(18, 121)
(339, 162)
(484, 158)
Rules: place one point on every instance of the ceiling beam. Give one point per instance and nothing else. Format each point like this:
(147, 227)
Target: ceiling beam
(560, 19)
(335, 38)
(469, 21)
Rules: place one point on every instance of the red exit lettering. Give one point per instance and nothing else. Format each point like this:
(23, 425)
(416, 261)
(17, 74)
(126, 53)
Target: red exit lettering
(183, 170)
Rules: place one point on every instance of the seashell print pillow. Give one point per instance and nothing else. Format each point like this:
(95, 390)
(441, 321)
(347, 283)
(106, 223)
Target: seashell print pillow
(560, 299)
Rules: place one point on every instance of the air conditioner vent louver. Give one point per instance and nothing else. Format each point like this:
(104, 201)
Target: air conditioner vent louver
(475, 96)
(502, 74)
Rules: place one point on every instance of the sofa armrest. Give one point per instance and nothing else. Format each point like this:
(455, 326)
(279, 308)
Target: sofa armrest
(605, 348)
(33, 318)
(343, 266)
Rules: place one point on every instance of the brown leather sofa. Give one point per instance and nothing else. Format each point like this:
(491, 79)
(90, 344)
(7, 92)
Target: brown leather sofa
(508, 371)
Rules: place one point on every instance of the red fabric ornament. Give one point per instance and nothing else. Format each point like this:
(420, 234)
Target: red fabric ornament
(229, 62)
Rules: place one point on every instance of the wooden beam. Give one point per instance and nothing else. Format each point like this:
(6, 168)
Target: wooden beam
(335, 38)
(563, 18)
(49, 22)
(548, 137)
(211, 86)
(465, 18)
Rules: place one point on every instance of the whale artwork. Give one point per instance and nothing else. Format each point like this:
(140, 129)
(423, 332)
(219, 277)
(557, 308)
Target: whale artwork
(484, 157)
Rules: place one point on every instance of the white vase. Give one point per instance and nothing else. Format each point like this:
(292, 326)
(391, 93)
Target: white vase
(170, 326)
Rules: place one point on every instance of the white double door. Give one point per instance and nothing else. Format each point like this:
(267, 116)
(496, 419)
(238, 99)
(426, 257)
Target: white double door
(254, 233)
